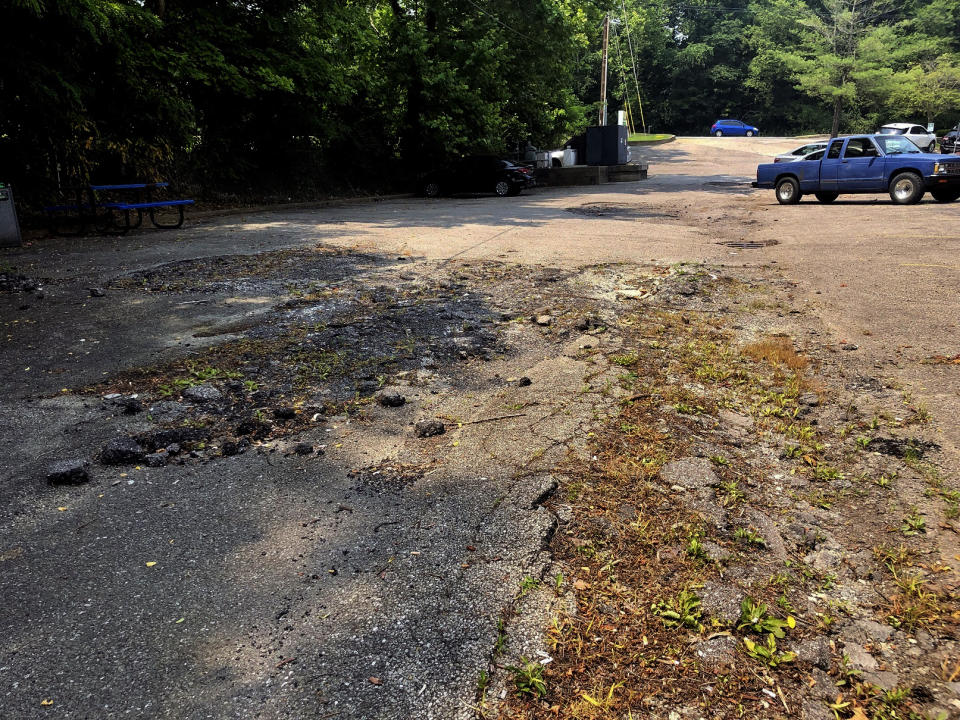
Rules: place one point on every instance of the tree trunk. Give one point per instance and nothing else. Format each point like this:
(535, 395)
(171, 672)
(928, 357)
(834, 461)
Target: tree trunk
(835, 128)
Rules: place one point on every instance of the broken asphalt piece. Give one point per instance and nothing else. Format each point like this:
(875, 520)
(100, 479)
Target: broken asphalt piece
(202, 393)
(97, 292)
(17, 283)
(254, 427)
(284, 413)
(428, 428)
(524, 381)
(172, 439)
(390, 398)
(543, 320)
(68, 472)
(155, 459)
(130, 404)
(120, 451)
(303, 449)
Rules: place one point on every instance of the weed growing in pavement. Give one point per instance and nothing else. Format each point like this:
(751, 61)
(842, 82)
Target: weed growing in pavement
(862, 442)
(695, 547)
(624, 360)
(749, 536)
(754, 617)
(792, 452)
(913, 524)
(528, 678)
(825, 473)
(501, 642)
(731, 493)
(767, 652)
(527, 584)
(682, 610)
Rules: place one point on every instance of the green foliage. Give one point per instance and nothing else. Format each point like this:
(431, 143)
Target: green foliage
(754, 616)
(683, 610)
(528, 678)
(312, 96)
(767, 652)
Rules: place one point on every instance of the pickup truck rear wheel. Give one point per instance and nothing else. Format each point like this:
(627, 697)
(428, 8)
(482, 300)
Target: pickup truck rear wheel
(945, 195)
(906, 188)
(826, 197)
(788, 191)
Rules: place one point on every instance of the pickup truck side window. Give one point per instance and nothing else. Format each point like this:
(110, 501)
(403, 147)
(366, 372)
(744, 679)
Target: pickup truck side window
(860, 147)
(835, 150)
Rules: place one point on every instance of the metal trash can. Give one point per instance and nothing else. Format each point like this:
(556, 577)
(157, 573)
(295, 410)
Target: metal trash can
(543, 159)
(569, 157)
(9, 225)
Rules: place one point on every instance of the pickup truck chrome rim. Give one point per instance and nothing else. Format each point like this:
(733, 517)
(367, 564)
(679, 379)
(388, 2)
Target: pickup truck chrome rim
(903, 189)
(786, 190)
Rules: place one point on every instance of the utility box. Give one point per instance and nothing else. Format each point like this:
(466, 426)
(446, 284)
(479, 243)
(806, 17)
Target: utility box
(9, 225)
(607, 145)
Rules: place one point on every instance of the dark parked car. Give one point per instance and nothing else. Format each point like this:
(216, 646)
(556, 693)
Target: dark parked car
(478, 174)
(948, 143)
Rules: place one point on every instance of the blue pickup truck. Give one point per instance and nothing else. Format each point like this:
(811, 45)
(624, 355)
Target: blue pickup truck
(865, 164)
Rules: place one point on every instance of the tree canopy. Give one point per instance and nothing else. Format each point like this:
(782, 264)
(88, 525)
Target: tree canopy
(305, 97)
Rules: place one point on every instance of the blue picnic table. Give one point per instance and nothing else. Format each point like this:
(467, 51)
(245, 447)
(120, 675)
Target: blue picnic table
(110, 208)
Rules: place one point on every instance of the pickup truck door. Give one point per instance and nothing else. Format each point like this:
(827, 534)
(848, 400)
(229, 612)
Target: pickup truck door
(861, 166)
(830, 166)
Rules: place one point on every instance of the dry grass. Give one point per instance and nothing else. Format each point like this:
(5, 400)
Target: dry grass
(778, 351)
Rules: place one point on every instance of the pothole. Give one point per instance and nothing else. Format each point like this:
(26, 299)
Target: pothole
(736, 186)
(602, 209)
(749, 244)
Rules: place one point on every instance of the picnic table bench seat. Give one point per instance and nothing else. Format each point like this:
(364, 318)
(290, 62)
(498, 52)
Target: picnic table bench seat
(103, 212)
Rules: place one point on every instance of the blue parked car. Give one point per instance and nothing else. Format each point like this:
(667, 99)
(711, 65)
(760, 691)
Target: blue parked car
(733, 127)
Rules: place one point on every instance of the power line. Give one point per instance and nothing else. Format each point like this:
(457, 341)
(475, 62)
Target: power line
(633, 62)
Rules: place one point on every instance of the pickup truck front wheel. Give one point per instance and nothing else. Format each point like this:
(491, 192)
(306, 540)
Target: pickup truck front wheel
(826, 197)
(788, 191)
(906, 188)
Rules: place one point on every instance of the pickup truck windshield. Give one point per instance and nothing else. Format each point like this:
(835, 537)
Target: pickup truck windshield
(893, 145)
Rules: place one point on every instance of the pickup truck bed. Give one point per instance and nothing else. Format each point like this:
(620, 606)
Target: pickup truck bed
(865, 164)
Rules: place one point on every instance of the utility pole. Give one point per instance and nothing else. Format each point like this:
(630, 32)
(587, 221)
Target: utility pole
(603, 71)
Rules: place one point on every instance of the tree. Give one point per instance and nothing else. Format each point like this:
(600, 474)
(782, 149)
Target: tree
(931, 88)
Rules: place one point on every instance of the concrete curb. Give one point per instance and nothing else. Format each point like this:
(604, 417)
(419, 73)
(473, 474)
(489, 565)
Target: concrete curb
(649, 143)
(311, 205)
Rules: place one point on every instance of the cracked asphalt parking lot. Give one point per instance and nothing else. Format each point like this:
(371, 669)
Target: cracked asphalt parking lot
(335, 564)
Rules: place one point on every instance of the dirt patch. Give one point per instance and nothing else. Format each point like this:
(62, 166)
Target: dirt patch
(620, 210)
(749, 244)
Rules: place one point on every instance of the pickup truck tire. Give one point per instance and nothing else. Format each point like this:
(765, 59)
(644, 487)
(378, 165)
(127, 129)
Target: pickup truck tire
(788, 191)
(826, 197)
(946, 195)
(906, 188)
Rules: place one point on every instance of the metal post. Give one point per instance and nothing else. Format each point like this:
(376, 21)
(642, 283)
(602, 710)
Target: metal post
(603, 71)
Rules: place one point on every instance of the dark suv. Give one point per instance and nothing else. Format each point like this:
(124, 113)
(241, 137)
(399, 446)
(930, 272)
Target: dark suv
(948, 143)
(477, 174)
